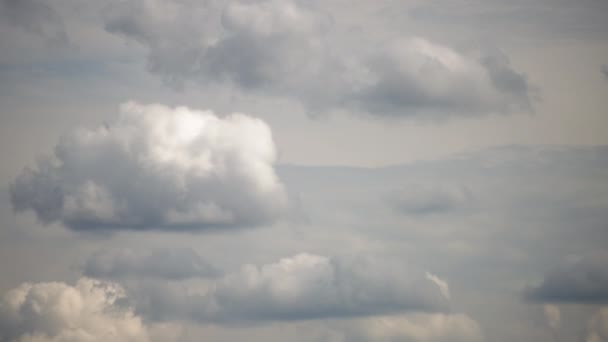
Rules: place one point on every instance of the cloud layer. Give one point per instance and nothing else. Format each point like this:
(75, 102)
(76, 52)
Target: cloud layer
(157, 167)
(282, 48)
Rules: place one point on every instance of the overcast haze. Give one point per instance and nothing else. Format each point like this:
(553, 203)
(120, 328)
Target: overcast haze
(291, 170)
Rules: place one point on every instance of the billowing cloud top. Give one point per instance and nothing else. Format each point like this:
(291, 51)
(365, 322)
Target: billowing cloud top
(302, 287)
(282, 48)
(157, 167)
(312, 286)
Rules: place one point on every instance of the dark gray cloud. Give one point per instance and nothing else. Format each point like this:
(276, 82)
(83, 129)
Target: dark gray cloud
(34, 16)
(420, 200)
(281, 48)
(163, 263)
(585, 281)
(539, 20)
(302, 287)
(157, 168)
(416, 75)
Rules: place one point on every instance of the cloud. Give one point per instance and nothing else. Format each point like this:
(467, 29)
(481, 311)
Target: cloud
(418, 328)
(302, 287)
(421, 200)
(91, 310)
(441, 284)
(597, 330)
(157, 167)
(390, 328)
(252, 44)
(585, 281)
(552, 315)
(161, 263)
(284, 49)
(414, 75)
(604, 70)
(36, 17)
(94, 310)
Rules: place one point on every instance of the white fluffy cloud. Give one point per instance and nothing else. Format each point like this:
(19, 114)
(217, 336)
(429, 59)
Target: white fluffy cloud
(57, 312)
(157, 167)
(283, 48)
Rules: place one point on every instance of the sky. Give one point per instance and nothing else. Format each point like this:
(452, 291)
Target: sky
(303, 170)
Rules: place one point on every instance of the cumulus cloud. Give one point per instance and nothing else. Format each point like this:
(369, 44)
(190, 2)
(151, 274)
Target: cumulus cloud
(157, 167)
(308, 286)
(301, 287)
(94, 310)
(413, 75)
(249, 43)
(162, 263)
(282, 48)
(91, 310)
(585, 281)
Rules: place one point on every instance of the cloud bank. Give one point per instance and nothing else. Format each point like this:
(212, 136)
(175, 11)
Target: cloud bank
(284, 49)
(157, 167)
